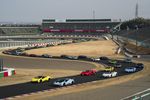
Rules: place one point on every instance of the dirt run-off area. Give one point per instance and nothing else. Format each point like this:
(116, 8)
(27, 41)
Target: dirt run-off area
(91, 48)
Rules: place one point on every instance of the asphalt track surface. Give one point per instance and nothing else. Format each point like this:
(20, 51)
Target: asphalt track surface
(28, 87)
(113, 92)
(45, 63)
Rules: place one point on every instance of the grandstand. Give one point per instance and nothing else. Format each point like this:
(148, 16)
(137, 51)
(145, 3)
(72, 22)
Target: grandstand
(61, 27)
(8, 31)
(77, 26)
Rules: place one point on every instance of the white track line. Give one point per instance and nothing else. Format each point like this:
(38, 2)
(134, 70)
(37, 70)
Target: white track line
(138, 94)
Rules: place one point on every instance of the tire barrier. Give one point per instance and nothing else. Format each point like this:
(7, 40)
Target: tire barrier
(7, 72)
(49, 43)
(20, 51)
(13, 44)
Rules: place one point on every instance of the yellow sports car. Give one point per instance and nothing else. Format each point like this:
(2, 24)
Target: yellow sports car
(109, 69)
(40, 79)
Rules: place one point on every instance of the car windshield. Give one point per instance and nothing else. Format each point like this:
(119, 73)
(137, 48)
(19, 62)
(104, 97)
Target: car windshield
(107, 73)
(130, 68)
(39, 76)
(108, 67)
(61, 80)
(87, 71)
(139, 64)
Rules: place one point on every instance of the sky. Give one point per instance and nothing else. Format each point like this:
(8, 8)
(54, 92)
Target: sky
(36, 10)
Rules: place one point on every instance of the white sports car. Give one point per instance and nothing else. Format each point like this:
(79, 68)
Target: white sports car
(109, 74)
(64, 82)
(130, 69)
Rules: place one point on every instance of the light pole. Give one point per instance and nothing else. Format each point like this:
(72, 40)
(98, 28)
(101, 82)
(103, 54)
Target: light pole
(136, 38)
(127, 33)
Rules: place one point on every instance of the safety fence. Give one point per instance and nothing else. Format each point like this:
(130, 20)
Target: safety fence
(10, 44)
(52, 36)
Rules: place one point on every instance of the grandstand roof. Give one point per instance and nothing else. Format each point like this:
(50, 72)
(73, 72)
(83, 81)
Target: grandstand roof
(77, 21)
(87, 20)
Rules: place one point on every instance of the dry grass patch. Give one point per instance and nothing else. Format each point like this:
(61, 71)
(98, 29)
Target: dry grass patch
(92, 48)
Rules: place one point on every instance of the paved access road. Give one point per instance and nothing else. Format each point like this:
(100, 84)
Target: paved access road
(23, 88)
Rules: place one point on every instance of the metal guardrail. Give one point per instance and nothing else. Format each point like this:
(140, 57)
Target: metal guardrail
(142, 43)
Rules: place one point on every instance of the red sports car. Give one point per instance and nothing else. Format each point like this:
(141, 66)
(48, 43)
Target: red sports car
(88, 72)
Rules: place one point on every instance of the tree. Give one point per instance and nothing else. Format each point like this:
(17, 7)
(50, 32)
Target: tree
(140, 22)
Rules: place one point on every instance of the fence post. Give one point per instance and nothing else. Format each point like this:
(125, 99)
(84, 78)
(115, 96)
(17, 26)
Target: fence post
(1, 64)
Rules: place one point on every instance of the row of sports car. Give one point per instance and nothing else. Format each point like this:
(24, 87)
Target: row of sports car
(111, 70)
(107, 73)
(20, 52)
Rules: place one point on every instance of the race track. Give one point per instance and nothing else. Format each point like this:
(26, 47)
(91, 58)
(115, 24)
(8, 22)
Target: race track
(24, 88)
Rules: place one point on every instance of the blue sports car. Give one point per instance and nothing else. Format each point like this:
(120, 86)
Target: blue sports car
(130, 69)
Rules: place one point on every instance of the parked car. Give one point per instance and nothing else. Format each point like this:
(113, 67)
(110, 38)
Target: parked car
(64, 56)
(95, 59)
(72, 57)
(82, 57)
(104, 58)
(5, 52)
(33, 55)
(46, 56)
(28, 48)
(24, 54)
(88, 72)
(127, 60)
(112, 61)
(21, 49)
(13, 52)
(18, 53)
(117, 65)
(109, 74)
(40, 79)
(130, 69)
(109, 69)
(64, 82)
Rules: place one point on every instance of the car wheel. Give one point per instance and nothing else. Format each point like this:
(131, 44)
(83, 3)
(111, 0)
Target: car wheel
(40, 81)
(72, 82)
(63, 84)
(48, 79)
